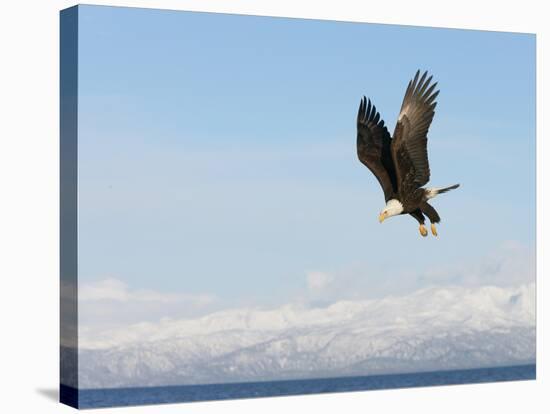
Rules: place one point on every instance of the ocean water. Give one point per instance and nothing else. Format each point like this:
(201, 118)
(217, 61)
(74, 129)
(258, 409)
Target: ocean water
(112, 397)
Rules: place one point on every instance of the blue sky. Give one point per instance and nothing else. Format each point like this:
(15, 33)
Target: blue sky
(217, 152)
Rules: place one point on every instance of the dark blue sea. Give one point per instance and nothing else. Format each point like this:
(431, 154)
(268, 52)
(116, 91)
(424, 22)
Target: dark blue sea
(186, 393)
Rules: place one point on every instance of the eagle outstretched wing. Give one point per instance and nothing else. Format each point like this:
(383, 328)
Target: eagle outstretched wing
(373, 147)
(410, 139)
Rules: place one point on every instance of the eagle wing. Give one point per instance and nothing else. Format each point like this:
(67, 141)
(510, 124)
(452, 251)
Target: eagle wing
(410, 139)
(373, 147)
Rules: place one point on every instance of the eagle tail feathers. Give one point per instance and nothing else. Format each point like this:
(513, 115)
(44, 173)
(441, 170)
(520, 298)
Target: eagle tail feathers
(432, 192)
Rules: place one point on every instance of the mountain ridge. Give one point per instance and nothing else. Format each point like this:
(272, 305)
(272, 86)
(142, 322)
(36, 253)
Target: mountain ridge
(431, 329)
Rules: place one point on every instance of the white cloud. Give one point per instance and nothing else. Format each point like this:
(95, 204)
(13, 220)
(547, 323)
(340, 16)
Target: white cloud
(317, 281)
(116, 290)
(107, 289)
(111, 302)
(509, 264)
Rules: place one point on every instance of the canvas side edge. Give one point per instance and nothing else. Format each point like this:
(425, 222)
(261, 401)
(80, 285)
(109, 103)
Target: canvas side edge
(68, 91)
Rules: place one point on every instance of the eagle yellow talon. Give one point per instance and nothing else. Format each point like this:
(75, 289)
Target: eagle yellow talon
(423, 230)
(434, 231)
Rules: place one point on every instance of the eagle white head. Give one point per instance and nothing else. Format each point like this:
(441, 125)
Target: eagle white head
(393, 208)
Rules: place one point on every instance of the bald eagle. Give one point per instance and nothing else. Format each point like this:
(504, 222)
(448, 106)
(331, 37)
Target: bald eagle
(401, 163)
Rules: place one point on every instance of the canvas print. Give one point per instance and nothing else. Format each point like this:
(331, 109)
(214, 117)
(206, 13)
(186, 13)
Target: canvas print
(256, 206)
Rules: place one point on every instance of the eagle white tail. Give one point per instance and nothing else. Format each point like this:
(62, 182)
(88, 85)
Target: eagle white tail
(432, 192)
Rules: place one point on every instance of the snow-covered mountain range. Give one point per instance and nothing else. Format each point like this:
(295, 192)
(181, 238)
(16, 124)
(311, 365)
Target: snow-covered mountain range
(431, 329)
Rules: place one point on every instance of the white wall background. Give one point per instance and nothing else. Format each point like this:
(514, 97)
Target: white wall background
(29, 204)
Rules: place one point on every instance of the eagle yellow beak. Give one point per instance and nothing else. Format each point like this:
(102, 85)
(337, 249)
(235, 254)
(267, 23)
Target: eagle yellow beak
(382, 217)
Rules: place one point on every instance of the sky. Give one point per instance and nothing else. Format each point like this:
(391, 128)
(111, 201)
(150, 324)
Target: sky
(218, 167)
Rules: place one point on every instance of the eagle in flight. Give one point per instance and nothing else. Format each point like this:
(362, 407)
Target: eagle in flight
(400, 163)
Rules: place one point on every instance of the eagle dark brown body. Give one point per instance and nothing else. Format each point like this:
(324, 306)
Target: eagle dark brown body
(401, 163)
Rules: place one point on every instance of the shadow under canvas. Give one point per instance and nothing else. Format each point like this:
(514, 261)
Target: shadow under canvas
(49, 393)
